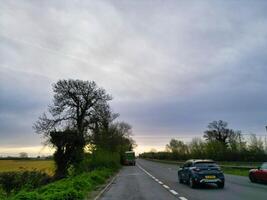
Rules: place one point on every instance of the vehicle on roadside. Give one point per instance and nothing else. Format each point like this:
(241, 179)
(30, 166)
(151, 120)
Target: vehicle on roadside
(197, 172)
(260, 174)
(129, 158)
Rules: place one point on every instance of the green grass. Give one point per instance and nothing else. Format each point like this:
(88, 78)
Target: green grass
(238, 172)
(226, 170)
(77, 187)
(21, 165)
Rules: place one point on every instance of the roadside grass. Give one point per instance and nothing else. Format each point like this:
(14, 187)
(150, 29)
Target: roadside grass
(227, 166)
(47, 166)
(77, 187)
(238, 172)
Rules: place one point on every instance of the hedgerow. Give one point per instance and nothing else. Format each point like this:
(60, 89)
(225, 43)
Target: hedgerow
(71, 188)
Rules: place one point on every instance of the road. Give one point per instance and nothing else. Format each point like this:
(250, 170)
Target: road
(151, 180)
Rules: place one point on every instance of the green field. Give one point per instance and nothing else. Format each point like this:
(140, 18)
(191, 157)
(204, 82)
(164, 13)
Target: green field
(22, 165)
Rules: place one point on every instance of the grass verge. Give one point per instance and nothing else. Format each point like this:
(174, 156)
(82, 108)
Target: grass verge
(226, 170)
(72, 188)
(238, 172)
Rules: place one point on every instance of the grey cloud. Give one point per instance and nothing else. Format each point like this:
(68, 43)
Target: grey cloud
(171, 66)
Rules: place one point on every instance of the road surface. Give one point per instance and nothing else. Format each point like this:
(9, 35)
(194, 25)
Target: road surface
(151, 180)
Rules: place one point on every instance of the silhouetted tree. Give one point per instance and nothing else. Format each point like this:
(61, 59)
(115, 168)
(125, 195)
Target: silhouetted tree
(177, 146)
(74, 106)
(68, 152)
(218, 131)
(23, 155)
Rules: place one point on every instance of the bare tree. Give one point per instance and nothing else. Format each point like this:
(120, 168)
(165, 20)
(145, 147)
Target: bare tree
(74, 103)
(71, 120)
(23, 155)
(218, 131)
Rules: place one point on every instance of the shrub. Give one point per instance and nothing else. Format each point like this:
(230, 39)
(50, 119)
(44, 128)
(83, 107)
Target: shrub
(71, 188)
(15, 181)
(98, 159)
(102, 158)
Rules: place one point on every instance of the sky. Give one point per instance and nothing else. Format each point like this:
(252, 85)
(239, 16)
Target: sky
(171, 66)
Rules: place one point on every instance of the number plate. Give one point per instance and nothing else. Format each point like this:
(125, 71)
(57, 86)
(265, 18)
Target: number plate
(210, 177)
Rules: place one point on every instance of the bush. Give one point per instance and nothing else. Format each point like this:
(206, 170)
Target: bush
(71, 188)
(15, 181)
(97, 160)
(106, 159)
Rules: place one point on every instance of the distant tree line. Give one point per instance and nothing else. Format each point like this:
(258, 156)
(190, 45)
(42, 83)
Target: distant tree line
(221, 143)
(79, 123)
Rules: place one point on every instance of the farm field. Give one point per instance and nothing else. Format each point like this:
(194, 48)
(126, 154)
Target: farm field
(20, 165)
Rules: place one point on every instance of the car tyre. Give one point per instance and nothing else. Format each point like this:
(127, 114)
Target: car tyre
(180, 179)
(252, 179)
(220, 185)
(192, 184)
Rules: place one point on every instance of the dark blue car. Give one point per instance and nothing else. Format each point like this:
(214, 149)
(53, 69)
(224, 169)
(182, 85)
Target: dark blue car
(196, 172)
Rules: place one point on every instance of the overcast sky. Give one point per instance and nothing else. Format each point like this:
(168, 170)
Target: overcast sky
(171, 66)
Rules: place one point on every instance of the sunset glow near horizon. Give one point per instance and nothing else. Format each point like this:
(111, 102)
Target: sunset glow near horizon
(171, 66)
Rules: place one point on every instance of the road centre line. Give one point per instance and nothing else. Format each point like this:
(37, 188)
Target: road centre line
(174, 192)
(165, 186)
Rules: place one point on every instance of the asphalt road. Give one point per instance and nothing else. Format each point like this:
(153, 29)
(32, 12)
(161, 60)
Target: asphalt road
(152, 180)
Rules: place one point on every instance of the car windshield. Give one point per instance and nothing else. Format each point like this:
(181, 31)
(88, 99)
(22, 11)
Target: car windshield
(264, 166)
(206, 164)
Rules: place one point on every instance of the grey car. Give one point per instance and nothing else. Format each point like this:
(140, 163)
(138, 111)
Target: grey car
(196, 172)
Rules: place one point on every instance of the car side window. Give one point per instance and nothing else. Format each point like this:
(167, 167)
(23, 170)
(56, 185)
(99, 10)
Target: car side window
(190, 164)
(187, 164)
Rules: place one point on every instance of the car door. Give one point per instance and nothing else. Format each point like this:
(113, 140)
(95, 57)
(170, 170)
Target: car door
(187, 170)
(263, 173)
(182, 171)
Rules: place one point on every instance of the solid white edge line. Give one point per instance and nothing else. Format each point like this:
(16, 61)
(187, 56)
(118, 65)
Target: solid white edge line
(173, 192)
(106, 187)
(183, 198)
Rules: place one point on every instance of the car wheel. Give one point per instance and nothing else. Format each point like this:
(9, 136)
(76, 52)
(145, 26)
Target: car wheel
(251, 178)
(180, 179)
(192, 184)
(220, 185)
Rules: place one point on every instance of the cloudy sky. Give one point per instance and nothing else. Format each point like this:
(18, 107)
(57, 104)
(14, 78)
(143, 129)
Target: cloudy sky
(171, 66)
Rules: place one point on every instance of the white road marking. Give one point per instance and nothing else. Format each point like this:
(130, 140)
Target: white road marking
(166, 186)
(173, 192)
(107, 186)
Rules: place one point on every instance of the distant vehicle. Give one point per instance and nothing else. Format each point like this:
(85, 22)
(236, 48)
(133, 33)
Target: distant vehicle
(196, 172)
(129, 158)
(260, 174)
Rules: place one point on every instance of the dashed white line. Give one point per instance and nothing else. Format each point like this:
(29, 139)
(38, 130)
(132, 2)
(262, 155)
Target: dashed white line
(166, 186)
(173, 192)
